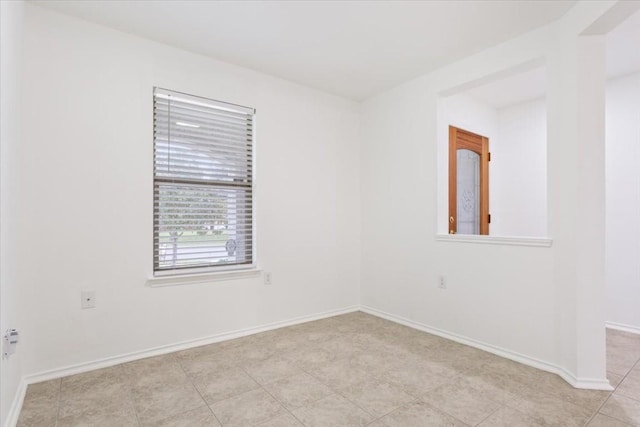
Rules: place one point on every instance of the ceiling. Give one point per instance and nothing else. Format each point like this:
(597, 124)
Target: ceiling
(622, 58)
(353, 49)
(623, 47)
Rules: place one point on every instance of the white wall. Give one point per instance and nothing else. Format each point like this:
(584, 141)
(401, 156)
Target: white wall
(519, 171)
(623, 201)
(11, 293)
(87, 196)
(544, 305)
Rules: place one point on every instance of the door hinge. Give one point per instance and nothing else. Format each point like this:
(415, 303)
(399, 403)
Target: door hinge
(488, 157)
(489, 218)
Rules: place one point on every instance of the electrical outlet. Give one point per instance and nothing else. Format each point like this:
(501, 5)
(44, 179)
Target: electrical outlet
(442, 282)
(87, 299)
(267, 278)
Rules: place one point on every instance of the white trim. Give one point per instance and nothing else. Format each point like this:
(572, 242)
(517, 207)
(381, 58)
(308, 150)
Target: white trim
(585, 383)
(623, 327)
(542, 242)
(170, 348)
(192, 279)
(16, 405)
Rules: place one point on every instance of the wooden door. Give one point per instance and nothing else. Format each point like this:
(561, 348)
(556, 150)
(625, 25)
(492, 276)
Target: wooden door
(468, 182)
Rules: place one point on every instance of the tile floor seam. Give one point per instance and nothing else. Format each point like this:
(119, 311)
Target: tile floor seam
(637, 363)
(392, 411)
(59, 397)
(339, 394)
(198, 391)
(283, 405)
(131, 401)
(354, 403)
(502, 405)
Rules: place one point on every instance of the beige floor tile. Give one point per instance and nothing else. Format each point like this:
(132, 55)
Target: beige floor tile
(44, 390)
(462, 402)
(286, 420)
(117, 414)
(272, 369)
(201, 417)
(92, 382)
(603, 421)
(40, 407)
(417, 414)
(493, 386)
(247, 409)
(549, 410)
(309, 357)
(376, 397)
(622, 408)
(614, 379)
(298, 390)
(223, 383)
(147, 372)
(416, 378)
(623, 351)
(512, 372)
(335, 411)
(83, 393)
(554, 385)
(339, 373)
(374, 359)
(630, 386)
(342, 347)
(619, 361)
(196, 365)
(508, 417)
(453, 358)
(161, 401)
(38, 413)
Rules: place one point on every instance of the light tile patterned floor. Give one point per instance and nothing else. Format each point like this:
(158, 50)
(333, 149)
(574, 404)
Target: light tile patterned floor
(350, 370)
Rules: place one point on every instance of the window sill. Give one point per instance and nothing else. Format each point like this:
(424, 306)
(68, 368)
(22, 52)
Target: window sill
(192, 279)
(541, 242)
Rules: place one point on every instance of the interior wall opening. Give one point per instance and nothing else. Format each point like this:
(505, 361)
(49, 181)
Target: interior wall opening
(510, 113)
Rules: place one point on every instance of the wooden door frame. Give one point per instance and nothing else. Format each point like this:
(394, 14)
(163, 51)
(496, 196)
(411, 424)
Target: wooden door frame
(462, 139)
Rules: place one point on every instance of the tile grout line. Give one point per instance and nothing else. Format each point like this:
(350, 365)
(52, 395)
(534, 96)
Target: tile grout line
(177, 361)
(637, 363)
(281, 404)
(59, 398)
(130, 393)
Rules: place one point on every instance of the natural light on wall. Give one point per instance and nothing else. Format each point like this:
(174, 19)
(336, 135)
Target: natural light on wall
(492, 158)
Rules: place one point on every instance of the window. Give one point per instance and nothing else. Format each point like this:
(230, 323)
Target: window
(203, 184)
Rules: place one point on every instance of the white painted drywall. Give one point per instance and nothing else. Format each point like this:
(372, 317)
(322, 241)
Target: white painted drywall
(86, 173)
(544, 303)
(623, 201)
(519, 171)
(12, 314)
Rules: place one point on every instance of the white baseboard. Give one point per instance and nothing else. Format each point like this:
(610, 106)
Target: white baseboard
(16, 406)
(585, 383)
(622, 327)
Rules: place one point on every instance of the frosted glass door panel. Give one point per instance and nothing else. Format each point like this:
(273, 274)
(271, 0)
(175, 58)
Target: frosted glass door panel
(468, 192)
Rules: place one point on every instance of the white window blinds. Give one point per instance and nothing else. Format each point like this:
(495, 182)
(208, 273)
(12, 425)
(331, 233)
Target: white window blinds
(203, 183)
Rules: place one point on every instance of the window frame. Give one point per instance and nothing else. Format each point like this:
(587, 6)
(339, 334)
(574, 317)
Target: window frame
(223, 270)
